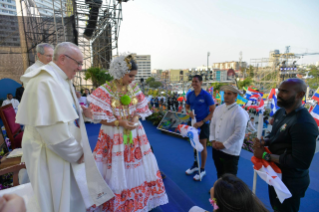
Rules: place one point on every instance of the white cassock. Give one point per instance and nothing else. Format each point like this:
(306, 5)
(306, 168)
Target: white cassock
(54, 139)
(14, 102)
(33, 67)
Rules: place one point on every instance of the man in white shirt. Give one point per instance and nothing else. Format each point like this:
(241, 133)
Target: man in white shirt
(44, 54)
(227, 132)
(11, 100)
(251, 125)
(56, 151)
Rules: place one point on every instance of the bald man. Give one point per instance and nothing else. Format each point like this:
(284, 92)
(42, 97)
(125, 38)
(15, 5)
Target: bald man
(292, 143)
(57, 154)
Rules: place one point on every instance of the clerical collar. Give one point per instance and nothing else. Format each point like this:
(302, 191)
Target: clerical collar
(59, 70)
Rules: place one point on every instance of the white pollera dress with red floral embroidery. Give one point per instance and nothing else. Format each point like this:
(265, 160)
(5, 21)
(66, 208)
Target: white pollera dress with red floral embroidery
(130, 170)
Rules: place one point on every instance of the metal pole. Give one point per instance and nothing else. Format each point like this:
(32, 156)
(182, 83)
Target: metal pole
(56, 31)
(208, 54)
(254, 182)
(62, 20)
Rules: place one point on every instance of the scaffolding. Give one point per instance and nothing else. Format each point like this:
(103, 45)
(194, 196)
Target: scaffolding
(269, 72)
(93, 25)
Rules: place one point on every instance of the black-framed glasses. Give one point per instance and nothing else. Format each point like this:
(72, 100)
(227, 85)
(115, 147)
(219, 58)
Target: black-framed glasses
(79, 63)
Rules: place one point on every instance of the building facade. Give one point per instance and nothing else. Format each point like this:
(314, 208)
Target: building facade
(220, 75)
(8, 7)
(230, 65)
(273, 60)
(178, 75)
(144, 66)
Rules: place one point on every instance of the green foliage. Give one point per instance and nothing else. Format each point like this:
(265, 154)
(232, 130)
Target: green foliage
(155, 84)
(314, 82)
(149, 80)
(156, 117)
(245, 83)
(98, 76)
(267, 112)
(250, 71)
(217, 85)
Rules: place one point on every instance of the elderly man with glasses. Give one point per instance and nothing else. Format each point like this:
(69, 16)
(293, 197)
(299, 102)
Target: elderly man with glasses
(57, 154)
(44, 54)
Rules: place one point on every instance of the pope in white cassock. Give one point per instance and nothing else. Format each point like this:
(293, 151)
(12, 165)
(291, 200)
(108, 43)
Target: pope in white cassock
(11, 100)
(56, 151)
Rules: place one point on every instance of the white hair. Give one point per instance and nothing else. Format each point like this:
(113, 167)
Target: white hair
(64, 48)
(41, 46)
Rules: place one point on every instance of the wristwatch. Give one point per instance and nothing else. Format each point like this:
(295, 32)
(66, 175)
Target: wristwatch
(266, 156)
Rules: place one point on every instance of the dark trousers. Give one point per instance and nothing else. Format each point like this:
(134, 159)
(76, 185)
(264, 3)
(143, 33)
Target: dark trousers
(225, 163)
(297, 188)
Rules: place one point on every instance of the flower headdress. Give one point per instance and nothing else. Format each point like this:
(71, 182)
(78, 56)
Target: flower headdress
(121, 65)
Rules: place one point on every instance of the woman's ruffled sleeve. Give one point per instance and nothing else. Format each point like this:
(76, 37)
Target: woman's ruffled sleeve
(142, 108)
(100, 103)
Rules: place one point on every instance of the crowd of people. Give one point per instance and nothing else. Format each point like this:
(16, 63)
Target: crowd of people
(121, 174)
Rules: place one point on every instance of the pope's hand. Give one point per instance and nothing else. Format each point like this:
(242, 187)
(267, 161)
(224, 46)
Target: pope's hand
(81, 160)
(14, 203)
(87, 111)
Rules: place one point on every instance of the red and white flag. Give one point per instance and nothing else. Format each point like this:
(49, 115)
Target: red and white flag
(271, 174)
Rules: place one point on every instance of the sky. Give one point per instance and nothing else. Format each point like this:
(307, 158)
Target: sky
(179, 33)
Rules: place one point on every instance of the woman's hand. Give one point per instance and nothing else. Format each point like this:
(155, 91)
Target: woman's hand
(128, 125)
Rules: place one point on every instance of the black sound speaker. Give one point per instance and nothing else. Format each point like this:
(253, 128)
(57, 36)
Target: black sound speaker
(94, 13)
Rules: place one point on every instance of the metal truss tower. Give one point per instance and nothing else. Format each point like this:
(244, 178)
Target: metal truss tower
(93, 25)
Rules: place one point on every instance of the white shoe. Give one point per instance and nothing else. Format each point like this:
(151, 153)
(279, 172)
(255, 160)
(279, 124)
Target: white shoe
(191, 170)
(198, 178)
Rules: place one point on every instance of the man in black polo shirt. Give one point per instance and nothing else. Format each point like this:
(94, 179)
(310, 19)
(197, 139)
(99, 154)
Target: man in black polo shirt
(292, 143)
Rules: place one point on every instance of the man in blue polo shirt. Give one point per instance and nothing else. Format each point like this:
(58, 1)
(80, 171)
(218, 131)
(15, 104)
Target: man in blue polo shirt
(202, 103)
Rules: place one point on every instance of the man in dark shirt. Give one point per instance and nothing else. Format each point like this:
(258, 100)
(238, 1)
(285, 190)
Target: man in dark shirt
(170, 103)
(19, 93)
(292, 143)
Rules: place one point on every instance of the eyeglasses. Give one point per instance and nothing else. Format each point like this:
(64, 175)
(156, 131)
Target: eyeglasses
(49, 56)
(79, 63)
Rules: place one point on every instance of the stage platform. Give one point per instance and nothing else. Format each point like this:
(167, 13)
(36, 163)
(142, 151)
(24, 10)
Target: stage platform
(175, 155)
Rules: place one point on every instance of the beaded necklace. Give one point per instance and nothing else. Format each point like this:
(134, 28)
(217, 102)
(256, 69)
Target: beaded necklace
(122, 101)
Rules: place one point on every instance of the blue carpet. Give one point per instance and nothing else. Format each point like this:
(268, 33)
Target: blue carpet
(175, 155)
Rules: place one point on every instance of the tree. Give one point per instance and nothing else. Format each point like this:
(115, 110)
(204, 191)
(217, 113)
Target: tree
(149, 80)
(250, 71)
(155, 84)
(217, 85)
(98, 76)
(313, 82)
(245, 83)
